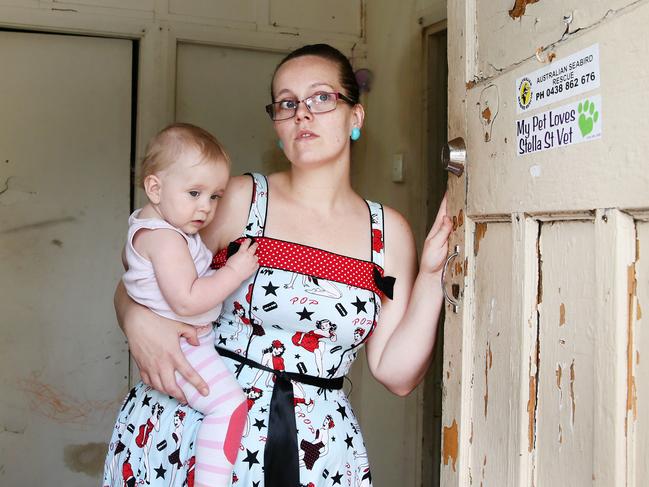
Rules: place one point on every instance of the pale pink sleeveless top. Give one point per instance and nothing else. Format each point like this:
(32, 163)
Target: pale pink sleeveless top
(140, 281)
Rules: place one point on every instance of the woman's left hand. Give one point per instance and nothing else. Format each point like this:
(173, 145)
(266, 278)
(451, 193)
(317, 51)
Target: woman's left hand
(436, 244)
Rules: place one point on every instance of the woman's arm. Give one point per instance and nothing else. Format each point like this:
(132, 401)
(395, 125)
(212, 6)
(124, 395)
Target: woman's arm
(155, 347)
(400, 349)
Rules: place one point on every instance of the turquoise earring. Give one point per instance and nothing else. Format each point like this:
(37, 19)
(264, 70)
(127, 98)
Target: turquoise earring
(356, 133)
(280, 144)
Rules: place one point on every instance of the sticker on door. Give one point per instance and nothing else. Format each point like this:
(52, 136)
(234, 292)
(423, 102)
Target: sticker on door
(576, 74)
(576, 122)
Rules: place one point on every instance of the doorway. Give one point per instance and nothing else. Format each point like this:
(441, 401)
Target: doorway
(436, 107)
(66, 154)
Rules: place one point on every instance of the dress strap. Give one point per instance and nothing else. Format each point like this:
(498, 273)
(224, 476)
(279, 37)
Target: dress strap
(258, 206)
(378, 244)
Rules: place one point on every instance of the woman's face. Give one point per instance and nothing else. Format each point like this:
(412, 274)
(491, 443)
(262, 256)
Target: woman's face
(313, 139)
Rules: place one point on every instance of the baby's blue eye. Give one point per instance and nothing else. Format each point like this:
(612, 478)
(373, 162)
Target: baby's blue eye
(215, 197)
(194, 194)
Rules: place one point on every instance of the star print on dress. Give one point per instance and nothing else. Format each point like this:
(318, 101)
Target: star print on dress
(146, 401)
(160, 472)
(260, 424)
(304, 314)
(222, 341)
(342, 410)
(350, 441)
(270, 289)
(336, 478)
(360, 305)
(251, 458)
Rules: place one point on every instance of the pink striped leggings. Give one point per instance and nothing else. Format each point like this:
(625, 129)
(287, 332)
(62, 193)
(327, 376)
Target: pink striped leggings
(225, 410)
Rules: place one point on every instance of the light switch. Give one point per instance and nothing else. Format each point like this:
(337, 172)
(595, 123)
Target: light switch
(397, 168)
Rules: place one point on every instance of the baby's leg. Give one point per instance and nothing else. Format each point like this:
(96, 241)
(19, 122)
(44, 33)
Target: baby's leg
(225, 410)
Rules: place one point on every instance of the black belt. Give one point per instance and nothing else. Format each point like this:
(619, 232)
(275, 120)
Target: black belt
(281, 467)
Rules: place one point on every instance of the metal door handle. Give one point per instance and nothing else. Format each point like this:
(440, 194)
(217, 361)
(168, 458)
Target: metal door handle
(447, 297)
(454, 156)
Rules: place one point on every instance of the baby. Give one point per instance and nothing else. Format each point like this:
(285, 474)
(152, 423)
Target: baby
(184, 174)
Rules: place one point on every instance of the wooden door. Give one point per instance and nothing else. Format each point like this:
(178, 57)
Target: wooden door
(545, 380)
(65, 156)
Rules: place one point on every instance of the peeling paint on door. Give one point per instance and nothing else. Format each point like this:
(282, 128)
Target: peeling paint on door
(449, 449)
(518, 10)
(480, 231)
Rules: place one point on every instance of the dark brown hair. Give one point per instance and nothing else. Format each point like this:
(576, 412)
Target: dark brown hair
(325, 51)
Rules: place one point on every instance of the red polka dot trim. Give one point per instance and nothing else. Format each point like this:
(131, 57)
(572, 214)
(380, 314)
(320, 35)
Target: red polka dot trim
(293, 257)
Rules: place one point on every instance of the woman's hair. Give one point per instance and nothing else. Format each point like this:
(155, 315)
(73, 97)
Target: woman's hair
(168, 144)
(325, 51)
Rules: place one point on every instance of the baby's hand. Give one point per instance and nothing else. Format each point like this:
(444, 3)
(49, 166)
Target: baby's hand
(245, 262)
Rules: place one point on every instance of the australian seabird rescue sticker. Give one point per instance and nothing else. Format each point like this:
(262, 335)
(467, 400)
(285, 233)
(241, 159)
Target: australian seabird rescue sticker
(563, 78)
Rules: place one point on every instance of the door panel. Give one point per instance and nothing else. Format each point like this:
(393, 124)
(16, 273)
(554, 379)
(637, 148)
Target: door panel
(604, 173)
(565, 360)
(65, 139)
(492, 356)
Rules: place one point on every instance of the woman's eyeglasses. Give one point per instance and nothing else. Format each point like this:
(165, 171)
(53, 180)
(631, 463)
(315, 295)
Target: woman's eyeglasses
(318, 103)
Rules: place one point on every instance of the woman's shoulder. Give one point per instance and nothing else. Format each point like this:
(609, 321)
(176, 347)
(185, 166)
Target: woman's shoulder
(231, 214)
(399, 239)
(393, 221)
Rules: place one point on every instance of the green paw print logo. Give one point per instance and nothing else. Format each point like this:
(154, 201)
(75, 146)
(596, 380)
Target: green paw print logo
(587, 117)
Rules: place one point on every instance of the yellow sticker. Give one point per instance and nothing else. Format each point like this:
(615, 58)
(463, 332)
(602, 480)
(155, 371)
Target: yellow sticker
(524, 93)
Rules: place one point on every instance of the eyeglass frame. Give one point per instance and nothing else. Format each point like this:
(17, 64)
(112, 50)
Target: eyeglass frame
(339, 95)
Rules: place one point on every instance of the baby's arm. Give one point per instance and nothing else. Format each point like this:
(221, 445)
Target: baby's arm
(184, 291)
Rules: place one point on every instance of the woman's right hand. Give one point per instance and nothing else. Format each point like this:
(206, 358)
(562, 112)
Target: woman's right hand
(155, 347)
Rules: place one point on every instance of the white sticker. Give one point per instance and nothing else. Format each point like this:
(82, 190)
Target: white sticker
(561, 79)
(562, 126)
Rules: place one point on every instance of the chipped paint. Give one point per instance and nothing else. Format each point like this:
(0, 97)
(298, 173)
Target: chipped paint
(631, 392)
(531, 413)
(449, 449)
(558, 372)
(488, 105)
(518, 10)
(480, 231)
(562, 314)
(88, 458)
(486, 115)
(638, 311)
(572, 390)
(488, 359)
(460, 218)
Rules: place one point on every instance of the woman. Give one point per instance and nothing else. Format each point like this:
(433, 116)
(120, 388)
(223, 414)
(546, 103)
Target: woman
(296, 218)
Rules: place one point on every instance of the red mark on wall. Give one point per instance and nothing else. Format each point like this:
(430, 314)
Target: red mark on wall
(58, 405)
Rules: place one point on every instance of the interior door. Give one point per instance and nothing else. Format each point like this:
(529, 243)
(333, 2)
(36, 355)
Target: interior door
(65, 155)
(544, 379)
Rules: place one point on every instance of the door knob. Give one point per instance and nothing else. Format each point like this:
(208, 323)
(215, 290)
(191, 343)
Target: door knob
(454, 156)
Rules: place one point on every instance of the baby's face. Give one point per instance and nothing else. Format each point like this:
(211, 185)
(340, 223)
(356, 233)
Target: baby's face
(190, 191)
